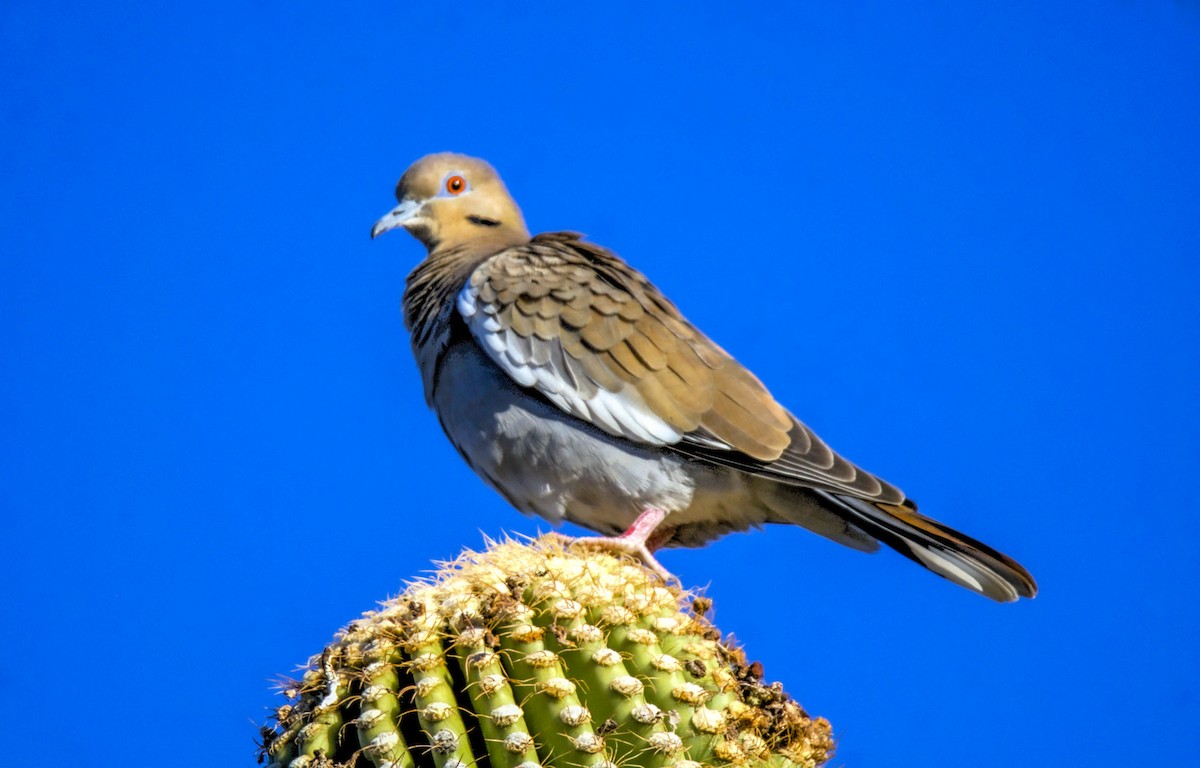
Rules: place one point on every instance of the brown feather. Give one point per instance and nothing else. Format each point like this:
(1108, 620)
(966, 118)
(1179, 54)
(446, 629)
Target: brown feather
(600, 372)
(605, 304)
(602, 332)
(685, 379)
(628, 365)
(695, 397)
(518, 321)
(651, 356)
(669, 407)
(572, 344)
(576, 315)
(546, 328)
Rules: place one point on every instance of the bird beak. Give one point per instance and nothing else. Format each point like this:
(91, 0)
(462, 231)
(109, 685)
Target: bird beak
(406, 214)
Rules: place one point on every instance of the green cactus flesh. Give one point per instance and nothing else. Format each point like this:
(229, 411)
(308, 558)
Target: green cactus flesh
(539, 656)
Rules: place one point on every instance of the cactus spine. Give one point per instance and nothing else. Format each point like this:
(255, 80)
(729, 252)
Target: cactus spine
(539, 656)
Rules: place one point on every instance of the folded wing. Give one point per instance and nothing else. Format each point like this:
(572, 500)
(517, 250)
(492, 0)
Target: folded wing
(577, 324)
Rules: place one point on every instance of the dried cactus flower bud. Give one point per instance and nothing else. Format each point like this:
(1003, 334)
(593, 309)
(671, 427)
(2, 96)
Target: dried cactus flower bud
(539, 656)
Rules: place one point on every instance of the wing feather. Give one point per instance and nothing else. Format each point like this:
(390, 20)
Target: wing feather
(574, 322)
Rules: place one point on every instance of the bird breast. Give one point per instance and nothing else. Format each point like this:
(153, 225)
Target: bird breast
(544, 461)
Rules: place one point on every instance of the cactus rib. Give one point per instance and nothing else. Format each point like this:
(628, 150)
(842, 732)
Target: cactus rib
(537, 655)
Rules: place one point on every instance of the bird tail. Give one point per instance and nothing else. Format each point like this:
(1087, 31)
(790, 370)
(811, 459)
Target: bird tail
(941, 549)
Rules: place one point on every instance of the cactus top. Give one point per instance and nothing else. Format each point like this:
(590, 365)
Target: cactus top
(539, 656)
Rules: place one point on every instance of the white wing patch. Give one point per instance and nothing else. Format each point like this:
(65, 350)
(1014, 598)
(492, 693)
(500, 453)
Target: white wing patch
(541, 365)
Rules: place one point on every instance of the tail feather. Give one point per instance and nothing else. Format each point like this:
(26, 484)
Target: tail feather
(941, 549)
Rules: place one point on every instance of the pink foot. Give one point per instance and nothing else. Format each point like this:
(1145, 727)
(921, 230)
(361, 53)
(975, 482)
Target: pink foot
(638, 541)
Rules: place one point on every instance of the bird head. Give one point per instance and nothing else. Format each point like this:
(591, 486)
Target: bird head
(448, 199)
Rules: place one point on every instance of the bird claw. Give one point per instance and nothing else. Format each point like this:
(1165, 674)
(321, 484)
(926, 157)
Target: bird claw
(630, 547)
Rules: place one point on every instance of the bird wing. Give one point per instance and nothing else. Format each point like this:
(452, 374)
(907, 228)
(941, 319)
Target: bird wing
(593, 336)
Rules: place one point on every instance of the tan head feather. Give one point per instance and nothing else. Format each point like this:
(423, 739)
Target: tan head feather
(447, 200)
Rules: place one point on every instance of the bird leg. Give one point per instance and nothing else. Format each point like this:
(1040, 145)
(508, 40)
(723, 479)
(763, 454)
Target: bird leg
(638, 541)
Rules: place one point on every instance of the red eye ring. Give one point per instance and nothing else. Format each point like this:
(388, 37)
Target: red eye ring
(456, 185)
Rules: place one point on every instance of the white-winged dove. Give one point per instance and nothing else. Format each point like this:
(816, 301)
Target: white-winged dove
(579, 392)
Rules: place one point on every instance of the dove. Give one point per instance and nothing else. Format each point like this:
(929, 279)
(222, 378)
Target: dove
(576, 389)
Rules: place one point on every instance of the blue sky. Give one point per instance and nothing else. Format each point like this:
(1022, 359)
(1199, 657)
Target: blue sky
(960, 240)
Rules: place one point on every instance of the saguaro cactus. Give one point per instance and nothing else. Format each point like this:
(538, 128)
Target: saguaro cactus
(539, 656)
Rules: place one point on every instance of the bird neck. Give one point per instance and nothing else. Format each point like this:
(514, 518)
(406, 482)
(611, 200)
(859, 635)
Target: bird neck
(476, 234)
(433, 285)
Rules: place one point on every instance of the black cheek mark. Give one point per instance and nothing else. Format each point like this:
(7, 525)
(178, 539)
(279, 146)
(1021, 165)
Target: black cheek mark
(481, 221)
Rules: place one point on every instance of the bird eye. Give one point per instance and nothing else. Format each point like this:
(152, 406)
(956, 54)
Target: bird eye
(456, 185)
